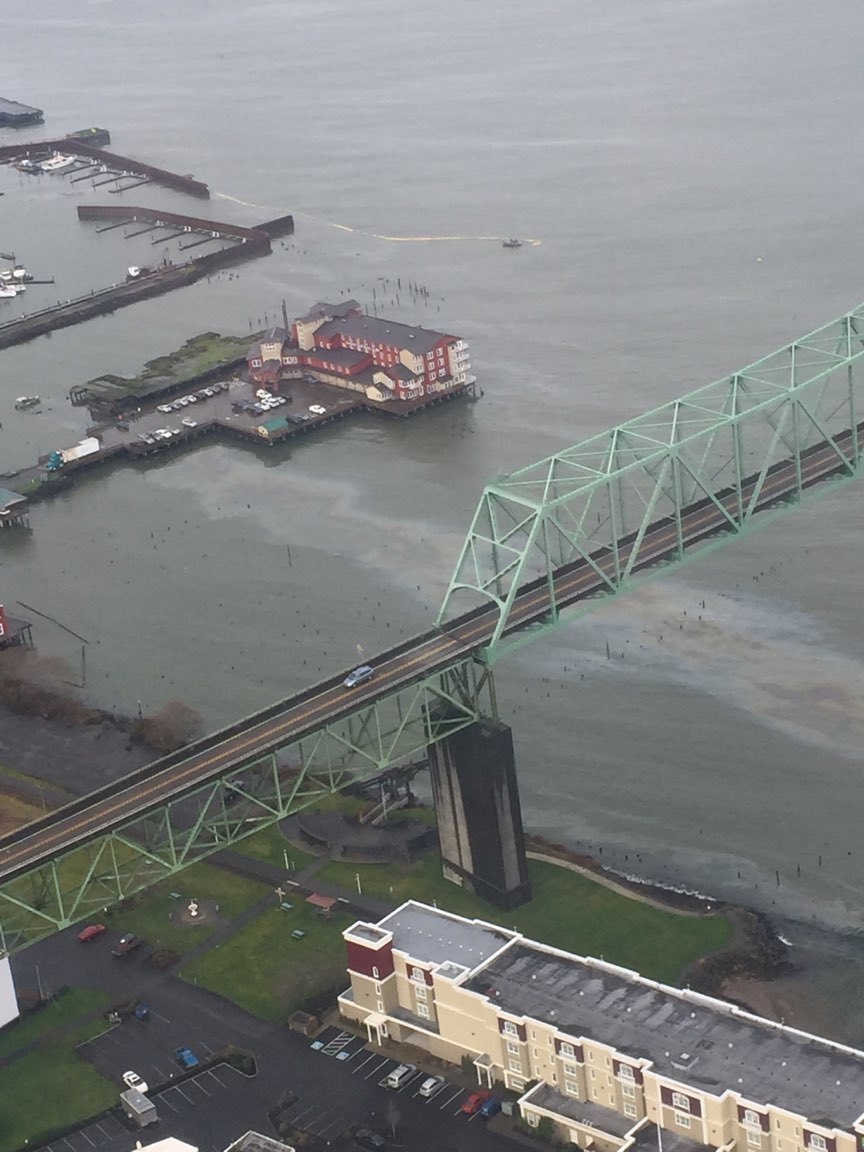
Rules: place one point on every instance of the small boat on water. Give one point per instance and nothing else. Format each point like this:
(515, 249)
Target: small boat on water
(27, 402)
(57, 163)
(8, 291)
(512, 243)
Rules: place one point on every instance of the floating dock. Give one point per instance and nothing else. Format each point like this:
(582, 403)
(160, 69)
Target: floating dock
(15, 115)
(248, 244)
(111, 161)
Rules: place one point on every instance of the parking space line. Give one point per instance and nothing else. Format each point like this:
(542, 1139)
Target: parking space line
(81, 1132)
(378, 1067)
(371, 1056)
(183, 1094)
(158, 1016)
(163, 1099)
(210, 1072)
(198, 1084)
(450, 1099)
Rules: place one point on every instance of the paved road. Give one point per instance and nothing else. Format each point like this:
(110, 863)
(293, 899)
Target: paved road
(143, 790)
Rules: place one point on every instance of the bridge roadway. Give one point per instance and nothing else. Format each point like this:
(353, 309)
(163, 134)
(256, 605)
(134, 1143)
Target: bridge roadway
(150, 788)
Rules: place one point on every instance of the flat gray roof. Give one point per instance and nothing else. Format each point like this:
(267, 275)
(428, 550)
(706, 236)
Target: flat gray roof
(13, 108)
(379, 331)
(705, 1045)
(582, 1111)
(433, 937)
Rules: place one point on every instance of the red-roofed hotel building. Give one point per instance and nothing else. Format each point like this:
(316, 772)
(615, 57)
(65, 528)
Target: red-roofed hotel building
(339, 344)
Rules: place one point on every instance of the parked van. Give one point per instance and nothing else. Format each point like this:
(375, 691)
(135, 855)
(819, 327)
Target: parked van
(400, 1076)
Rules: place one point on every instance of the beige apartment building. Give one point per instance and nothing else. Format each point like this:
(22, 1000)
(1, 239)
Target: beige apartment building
(615, 1061)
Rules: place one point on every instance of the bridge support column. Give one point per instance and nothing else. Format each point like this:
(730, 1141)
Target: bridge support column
(479, 818)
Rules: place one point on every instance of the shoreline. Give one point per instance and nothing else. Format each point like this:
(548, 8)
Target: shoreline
(755, 971)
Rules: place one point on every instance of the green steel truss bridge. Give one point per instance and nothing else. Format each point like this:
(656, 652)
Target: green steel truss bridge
(548, 541)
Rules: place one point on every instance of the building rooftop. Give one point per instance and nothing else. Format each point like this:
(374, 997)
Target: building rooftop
(432, 937)
(255, 1142)
(320, 310)
(581, 1111)
(346, 356)
(10, 499)
(12, 110)
(377, 331)
(690, 1038)
(646, 1139)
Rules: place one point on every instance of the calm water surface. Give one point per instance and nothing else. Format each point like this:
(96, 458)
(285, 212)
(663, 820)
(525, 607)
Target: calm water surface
(687, 166)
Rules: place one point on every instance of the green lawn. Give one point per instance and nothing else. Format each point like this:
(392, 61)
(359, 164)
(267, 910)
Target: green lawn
(60, 1016)
(269, 973)
(568, 911)
(45, 1091)
(271, 845)
(152, 914)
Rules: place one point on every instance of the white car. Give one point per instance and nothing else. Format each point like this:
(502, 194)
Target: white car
(189, 422)
(263, 394)
(133, 1080)
(317, 409)
(192, 399)
(165, 408)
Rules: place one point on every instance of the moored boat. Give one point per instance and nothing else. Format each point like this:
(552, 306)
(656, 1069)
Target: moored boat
(27, 402)
(512, 243)
(59, 162)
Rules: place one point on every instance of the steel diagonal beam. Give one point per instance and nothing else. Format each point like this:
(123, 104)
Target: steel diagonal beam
(194, 826)
(775, 408)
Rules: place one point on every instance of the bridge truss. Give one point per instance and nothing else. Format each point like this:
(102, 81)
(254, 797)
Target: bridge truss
(718, 446)
(157, 844)
(618, 507)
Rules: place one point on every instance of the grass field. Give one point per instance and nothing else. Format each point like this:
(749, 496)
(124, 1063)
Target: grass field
(153, 915)
(45, 1091)
(265, 970)
(271, 845)
(60, 1017)
(568, 911)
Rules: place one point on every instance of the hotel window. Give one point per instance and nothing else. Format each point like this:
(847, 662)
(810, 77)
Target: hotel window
(629, 1091)
(567, 1050)
(532, 1119)
(682, 1103)
(569, 1069)
(380, 1005)
(571, 1087)
(417, 974)
(752, 1118)
(591, 1057)
(375, 973)
(630, 1110)
(377, 989)
(420, 993)
(754, 1139)
(817, 1142)
(625, 1072)
(682, 1120)
(423, 1010)
(512, 1048)
(515, 1065)
(510, 1028)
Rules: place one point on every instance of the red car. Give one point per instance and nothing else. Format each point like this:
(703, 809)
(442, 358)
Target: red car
(90, 932)
(474, 1103)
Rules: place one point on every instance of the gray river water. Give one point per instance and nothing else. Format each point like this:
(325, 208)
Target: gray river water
(691, 170)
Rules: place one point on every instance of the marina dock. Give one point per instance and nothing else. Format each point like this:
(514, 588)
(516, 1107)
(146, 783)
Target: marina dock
(247, 243)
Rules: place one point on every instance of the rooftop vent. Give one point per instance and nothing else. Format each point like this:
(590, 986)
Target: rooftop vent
(684, 1061)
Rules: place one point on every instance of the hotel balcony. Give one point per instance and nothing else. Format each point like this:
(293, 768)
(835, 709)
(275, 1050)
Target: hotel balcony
(459, 346)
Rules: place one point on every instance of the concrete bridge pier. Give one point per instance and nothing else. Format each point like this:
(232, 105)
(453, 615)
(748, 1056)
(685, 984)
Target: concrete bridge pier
(476, 795)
